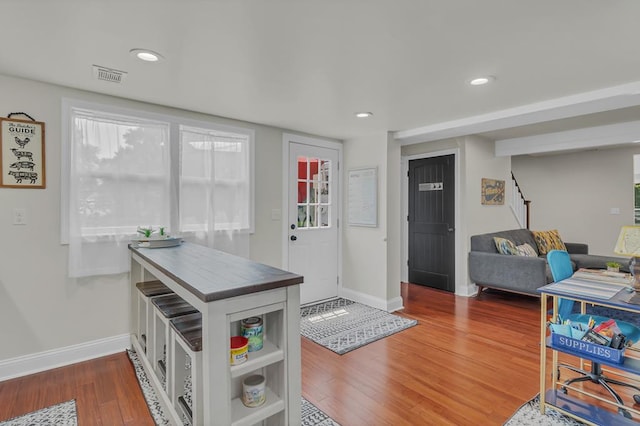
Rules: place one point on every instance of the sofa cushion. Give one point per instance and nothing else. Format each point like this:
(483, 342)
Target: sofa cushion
(526, 250)
(548, 240)
(505, 246)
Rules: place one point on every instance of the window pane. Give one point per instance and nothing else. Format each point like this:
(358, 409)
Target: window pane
(302, 192)
(313, 192)
(302, 216)
(313, 218)
(302, 168)
(103, 204)
(325, 181)
(325, 169)
(324, 216)
(121, 170)
(215, 179)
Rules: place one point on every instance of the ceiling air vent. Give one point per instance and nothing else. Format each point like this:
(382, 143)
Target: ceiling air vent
(108, 74)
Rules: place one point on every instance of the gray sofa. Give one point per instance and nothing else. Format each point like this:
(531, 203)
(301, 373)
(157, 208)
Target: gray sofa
(521, 274)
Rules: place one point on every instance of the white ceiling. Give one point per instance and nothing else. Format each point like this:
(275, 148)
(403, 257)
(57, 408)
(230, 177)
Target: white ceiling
(308, 65)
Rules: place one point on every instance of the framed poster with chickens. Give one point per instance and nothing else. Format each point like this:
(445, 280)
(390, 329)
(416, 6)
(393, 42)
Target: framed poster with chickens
(22, 162)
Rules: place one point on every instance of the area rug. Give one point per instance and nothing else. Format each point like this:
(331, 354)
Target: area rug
(147, 390)
(342, 325)
(311, 415)
(63, 414)
(529, 415)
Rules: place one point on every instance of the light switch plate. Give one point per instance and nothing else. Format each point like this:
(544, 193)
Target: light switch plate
(20, 216)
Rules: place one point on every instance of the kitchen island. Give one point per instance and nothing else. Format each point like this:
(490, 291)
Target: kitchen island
(225, 289)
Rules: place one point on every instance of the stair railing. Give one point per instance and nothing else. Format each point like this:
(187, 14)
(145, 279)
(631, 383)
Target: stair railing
(520, 206)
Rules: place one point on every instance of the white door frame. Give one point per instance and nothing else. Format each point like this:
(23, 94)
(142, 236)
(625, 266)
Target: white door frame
(287, 138)
(460, 285)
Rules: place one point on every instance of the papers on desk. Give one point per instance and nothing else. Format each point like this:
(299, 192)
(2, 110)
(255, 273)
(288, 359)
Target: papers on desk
(593, 283)
(602, 275)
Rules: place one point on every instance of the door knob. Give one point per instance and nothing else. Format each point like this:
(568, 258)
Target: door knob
(293, 238)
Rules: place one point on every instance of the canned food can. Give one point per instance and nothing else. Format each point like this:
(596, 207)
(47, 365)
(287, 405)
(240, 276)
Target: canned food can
(253, 391)
(238, 353)
(252, 330)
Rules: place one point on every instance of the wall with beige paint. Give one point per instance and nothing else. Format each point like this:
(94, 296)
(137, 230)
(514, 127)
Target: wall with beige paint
(575, 193)
(41, 308)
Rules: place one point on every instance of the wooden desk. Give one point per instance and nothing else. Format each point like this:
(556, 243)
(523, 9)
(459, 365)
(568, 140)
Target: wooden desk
(227, 289)
(552, 396)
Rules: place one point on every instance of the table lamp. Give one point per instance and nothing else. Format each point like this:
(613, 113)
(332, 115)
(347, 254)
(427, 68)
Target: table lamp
(629, 245)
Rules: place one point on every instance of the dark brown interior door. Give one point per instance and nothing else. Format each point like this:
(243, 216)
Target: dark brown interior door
(431, 222)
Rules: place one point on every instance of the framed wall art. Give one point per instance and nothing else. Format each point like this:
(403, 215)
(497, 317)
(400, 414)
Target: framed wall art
(22, 160)
(492, 191)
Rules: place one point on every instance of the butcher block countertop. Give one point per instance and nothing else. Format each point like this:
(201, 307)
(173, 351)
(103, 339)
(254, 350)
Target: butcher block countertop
(211, 274)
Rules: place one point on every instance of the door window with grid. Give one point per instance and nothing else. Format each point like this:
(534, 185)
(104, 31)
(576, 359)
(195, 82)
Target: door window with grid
(314, 186)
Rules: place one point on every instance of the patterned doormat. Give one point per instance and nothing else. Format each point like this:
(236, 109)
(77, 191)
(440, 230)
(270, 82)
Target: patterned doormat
(63, 414)
(342, 325)
(311, 415)
(529, 415)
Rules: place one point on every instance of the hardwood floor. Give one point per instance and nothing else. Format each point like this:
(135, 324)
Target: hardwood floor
(105, 389)
(469, 361)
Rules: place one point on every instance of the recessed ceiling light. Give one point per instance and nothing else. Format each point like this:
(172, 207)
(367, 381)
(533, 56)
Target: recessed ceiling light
(146, 55)
(479, 81)
(363, 114)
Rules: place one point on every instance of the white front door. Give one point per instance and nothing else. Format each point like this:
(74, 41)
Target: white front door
(313, 219)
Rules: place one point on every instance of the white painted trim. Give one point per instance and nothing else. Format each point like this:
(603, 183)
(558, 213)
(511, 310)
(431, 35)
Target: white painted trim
(34, 363)
(460, 285)
(610, 98)
(288, 138)
(284, 215)
(392, 305)
(404, 205)
(590, 137)
(395, 304)
(516, 216)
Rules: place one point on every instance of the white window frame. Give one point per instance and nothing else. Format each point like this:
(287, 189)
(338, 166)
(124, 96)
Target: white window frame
(174, 121)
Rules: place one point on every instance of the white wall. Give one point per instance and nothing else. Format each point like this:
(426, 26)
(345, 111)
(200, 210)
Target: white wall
(40, 308)
(393, 220)
(480, 162)
(364, 249)
(574, 193)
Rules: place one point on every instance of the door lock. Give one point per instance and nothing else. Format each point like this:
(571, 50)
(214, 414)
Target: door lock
(293, 238)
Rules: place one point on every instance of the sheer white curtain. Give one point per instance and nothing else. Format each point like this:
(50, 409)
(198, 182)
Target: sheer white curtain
(128, 171)
(215, 188)
(118, 180)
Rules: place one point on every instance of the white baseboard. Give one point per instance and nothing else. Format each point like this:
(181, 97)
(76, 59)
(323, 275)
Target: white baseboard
(34, 363)
(395, 304)
(375, 302)
(471, 290)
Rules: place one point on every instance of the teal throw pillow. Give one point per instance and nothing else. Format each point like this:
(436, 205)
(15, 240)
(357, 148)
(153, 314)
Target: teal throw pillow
(505, 246)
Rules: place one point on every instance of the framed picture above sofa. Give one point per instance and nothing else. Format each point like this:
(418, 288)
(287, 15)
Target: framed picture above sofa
(492, 192)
